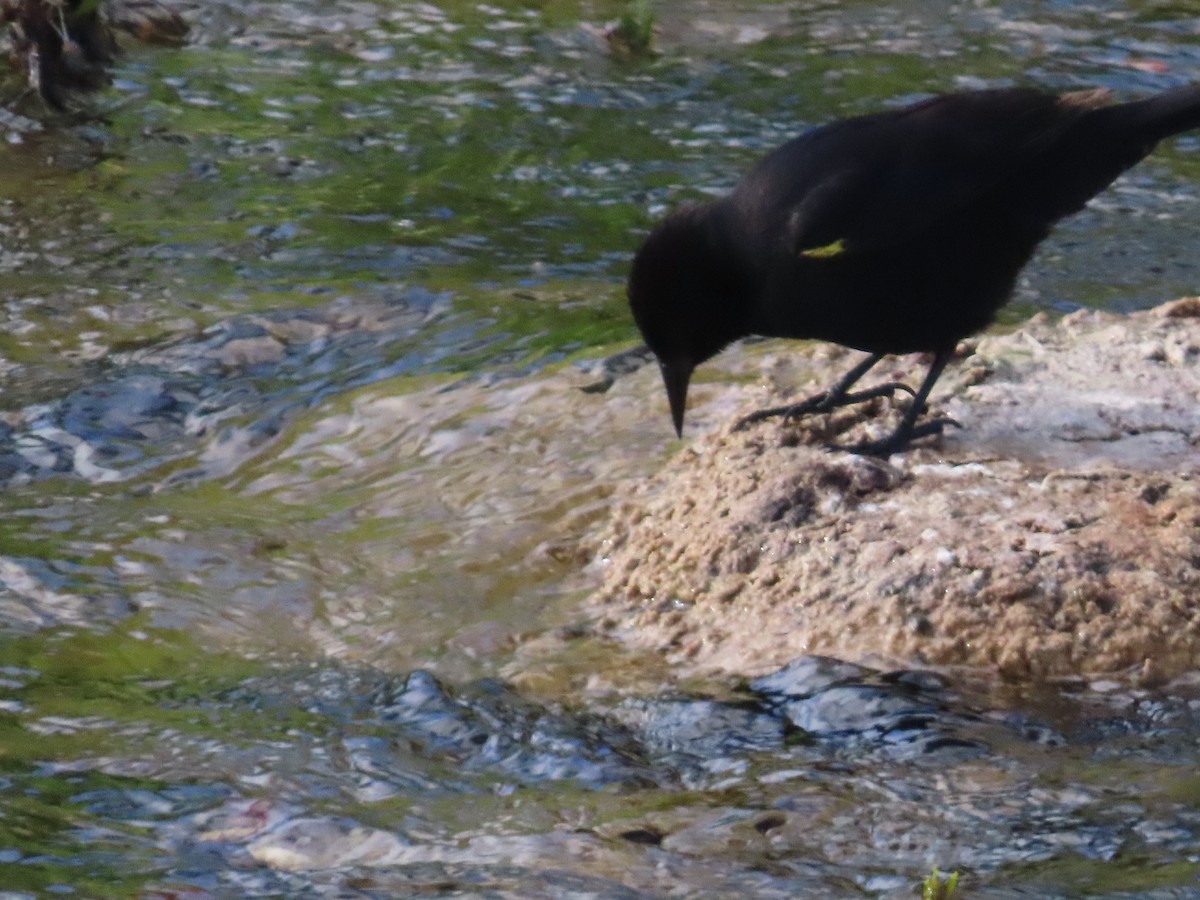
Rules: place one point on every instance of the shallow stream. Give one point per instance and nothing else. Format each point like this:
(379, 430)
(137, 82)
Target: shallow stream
(296, 467)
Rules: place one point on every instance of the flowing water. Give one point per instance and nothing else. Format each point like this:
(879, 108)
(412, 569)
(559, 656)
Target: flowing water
(296, 467)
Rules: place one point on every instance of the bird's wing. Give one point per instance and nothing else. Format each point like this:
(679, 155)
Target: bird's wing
(879, 180)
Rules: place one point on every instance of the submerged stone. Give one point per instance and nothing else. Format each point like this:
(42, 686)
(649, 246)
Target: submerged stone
(487, 726)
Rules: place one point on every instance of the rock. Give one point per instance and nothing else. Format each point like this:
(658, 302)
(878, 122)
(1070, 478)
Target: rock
(250, 351)
(1057, 534)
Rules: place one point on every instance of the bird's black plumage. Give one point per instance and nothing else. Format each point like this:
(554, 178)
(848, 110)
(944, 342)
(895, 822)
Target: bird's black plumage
(897, 232)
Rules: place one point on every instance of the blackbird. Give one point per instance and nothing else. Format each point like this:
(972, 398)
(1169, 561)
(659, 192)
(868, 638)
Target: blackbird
(898, 232)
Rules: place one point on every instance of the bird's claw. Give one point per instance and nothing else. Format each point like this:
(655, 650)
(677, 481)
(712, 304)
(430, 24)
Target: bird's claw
(822, 403)
(791, 411)
(887, 389)
(898, 440)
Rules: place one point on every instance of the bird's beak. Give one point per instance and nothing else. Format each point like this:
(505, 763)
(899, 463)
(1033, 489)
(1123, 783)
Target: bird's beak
(676, 375)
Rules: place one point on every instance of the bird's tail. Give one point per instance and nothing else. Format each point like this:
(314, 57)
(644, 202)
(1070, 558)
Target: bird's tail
(1162, 115)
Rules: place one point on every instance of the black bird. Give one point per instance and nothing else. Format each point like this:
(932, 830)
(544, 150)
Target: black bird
(898, 232)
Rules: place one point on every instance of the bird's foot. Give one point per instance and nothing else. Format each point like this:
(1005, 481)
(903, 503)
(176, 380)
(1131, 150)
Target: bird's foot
(815, 403)
(898, 440)
(822, 403)
(881, 390)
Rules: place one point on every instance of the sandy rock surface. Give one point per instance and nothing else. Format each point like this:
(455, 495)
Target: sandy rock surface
(1057, 533)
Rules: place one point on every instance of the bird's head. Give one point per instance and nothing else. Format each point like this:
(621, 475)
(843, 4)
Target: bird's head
(687, 292)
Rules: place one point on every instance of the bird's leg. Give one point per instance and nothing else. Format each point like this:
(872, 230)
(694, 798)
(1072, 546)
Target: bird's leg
(908, 430)
(837, 396)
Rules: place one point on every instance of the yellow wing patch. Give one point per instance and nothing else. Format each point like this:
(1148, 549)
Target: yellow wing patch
(837, 248)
